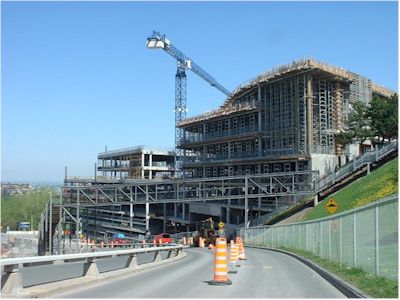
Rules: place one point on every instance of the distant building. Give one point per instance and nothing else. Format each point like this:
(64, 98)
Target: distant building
(10, 189)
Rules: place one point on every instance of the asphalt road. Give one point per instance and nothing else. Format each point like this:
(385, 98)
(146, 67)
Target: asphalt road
(265, 274)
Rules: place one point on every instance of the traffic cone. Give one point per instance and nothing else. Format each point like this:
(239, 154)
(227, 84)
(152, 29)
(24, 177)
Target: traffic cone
(220, 264)
(233, 258)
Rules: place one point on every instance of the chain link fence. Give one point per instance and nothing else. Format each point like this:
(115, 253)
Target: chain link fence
(365, 238)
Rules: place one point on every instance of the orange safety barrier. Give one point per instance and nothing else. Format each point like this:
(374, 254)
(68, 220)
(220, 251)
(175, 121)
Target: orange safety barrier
(220, 264)
(242, 254)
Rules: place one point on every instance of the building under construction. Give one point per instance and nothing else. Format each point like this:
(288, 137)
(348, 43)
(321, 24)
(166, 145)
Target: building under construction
(262, 150)
(137, 162)
(282, 121)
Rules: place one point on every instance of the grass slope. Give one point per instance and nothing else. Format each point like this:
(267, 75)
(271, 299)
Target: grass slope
(377, 287)
(380, 183)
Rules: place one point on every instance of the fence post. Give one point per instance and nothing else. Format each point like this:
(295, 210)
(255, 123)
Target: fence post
(320, 238)
(313, 237)
(340, 241)
(329, 237)
(354, 240)
(354, 163)
(293, 236)
(272, 237)
(263, 236)
(376, 239)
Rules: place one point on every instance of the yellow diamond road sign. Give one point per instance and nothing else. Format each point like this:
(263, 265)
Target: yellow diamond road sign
(331, 206)
(221, 224)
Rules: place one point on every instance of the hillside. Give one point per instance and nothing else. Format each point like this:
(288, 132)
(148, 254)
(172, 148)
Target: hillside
(23, 208)
(382, 182)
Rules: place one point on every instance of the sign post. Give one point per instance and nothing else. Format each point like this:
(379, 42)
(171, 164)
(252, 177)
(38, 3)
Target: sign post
(331, 206)
(221, 230)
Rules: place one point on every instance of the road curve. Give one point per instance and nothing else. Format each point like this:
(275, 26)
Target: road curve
(265, 274)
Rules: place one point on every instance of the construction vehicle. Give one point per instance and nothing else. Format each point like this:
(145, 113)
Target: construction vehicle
(206, 230)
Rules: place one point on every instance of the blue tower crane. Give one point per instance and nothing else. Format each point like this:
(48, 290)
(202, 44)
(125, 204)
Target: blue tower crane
(157, 40)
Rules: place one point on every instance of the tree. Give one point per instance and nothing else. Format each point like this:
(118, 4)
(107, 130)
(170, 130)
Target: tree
(383, 115)
(342, 138)
(358, 123)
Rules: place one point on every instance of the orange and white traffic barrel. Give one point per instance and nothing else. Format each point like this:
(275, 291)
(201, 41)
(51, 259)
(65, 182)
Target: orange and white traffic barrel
(242, 254)
(233, 258)
(201, 242)
(220, 264)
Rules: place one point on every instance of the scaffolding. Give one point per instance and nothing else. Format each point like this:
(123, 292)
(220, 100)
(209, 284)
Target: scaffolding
(101, 208)
(276, 122)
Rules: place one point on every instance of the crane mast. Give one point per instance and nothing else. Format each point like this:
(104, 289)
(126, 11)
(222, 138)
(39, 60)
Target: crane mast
(159, 41)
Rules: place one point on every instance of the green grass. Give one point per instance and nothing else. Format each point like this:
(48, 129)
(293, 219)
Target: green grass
(23, 208)
(377, 287)
(382, 182)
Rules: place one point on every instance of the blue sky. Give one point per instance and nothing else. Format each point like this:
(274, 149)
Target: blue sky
(77, 76)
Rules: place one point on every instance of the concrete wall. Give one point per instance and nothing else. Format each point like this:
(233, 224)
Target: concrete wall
(324, 163)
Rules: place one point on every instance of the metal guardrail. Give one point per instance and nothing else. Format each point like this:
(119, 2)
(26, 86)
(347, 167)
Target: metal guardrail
(12, 279)
(353, 165)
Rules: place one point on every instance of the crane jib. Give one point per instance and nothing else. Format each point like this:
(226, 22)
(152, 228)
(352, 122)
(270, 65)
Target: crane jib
(157, 40)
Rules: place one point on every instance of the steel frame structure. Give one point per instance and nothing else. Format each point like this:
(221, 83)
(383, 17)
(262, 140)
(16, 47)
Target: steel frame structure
(78, 199)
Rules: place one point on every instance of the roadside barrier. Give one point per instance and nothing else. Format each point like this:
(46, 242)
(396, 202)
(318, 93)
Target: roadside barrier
(234, 257)
(12, 280)
(220, 264)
